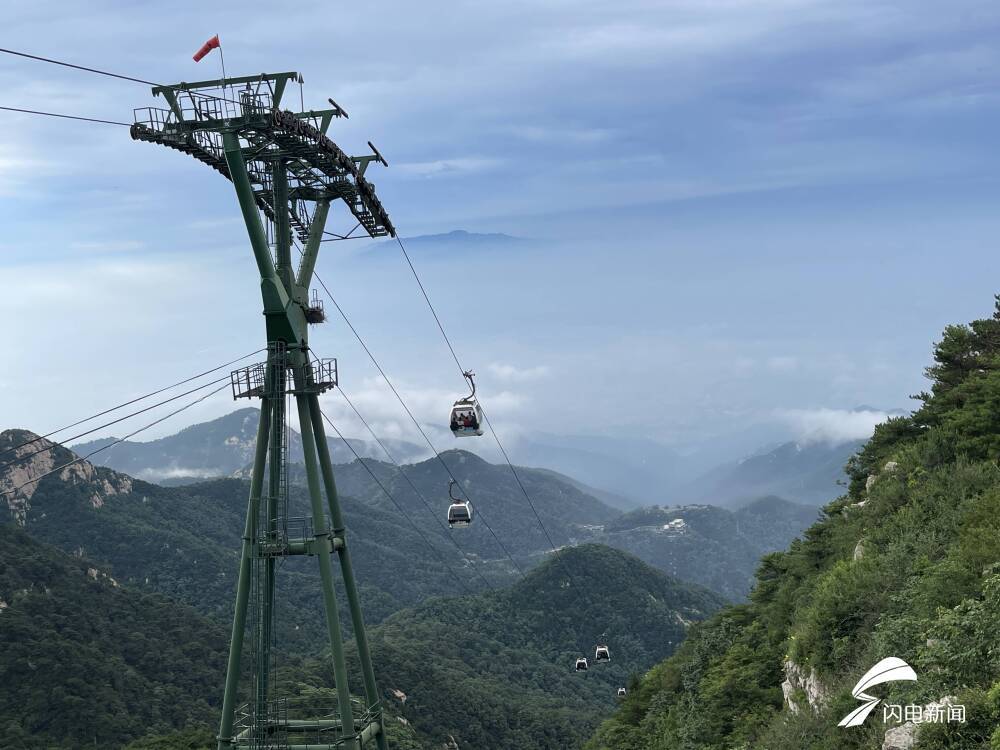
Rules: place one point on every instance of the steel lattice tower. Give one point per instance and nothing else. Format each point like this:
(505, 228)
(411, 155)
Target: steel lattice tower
(286, 173)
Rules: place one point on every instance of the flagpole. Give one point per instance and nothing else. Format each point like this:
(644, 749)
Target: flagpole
(222, 59)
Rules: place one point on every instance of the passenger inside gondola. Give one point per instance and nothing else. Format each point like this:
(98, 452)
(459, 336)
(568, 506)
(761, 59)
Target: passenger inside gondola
(464, 420)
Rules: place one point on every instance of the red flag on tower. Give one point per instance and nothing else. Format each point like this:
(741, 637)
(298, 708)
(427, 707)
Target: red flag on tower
(207, 47)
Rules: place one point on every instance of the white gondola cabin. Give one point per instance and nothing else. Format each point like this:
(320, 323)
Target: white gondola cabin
(602, 654)
(466, 414)
(622, 692)
(581, 664)
(460, 511)
(459, 514)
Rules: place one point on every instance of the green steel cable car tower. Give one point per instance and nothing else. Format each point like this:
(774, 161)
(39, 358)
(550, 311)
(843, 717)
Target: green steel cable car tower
(286, 173)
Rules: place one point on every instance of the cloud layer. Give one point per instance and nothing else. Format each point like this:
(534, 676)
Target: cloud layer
(833, 426)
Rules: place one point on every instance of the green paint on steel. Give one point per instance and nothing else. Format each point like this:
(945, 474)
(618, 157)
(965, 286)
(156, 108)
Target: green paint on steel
(287, 174)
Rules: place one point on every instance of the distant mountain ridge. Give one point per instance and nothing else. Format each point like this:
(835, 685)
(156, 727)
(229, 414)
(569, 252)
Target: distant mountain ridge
(183, 541)
(639, 472)
(625, 473)
(810, 472)
(219, 448)
(714, 547)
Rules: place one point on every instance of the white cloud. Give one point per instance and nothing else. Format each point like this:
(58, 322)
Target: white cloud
(832, 425)
(430, 407)
(782, 363)
(19, 166)
(561, 134)
(441, 167)
(518, 375)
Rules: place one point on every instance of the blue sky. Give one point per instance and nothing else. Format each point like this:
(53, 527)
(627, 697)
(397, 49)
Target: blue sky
(740, 215)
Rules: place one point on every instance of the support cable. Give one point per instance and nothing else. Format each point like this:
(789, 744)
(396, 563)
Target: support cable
(399, 507)
(493, 431)
(109, 74)
(136, 400)
(462, 370)
(429, 305)
(410, 414)
(414, 420)
(65, 117)
(409, 481)
(132, 434)
(50, 446)
(84, 68)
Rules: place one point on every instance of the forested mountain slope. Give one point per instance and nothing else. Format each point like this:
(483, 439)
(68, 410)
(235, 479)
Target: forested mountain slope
(710, 546)
(85, 662)
(184, 541)
(906, 564)
(496, 671)
(566, 511)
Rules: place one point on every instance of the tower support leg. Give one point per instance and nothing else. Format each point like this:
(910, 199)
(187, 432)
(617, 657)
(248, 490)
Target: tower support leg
(275, 488)
(322, 534)
(346, 568)
(243, 587)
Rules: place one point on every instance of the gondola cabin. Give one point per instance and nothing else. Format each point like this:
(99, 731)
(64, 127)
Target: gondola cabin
(622, 692)
(466, 418)
(467, 415)
(459, 513)
(602, 654)
(581, 664)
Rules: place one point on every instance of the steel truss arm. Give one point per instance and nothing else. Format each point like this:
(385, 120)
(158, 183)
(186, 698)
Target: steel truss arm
(311, 251)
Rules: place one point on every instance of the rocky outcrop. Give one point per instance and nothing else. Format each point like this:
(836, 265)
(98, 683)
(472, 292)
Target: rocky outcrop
(859, 550)
(889, 468)
(800, 685)
(902, 737)
(30, 457)
(104, 481)
(27, 457)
